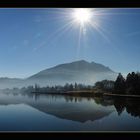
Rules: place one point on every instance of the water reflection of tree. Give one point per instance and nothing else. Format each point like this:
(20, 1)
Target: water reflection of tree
(75, 99)
(71, 99)
(36, 97)
(119, 105)
(103, 101)
(132, 106)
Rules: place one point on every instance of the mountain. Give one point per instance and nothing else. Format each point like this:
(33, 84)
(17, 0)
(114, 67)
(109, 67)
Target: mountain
(78, 71)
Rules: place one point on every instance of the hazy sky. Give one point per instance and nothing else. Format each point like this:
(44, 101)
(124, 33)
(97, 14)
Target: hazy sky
(35, 39)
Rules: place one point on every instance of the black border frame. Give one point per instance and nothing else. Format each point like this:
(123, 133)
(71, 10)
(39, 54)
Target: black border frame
(70, 4)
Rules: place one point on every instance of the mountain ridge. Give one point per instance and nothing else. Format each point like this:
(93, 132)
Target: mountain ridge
(80, 71)
(75, 65)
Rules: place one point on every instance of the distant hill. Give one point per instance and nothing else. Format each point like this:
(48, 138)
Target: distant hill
(78, 71)
(6, 82)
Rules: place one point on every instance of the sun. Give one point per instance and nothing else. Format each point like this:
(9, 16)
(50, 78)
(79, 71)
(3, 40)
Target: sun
(82, 15)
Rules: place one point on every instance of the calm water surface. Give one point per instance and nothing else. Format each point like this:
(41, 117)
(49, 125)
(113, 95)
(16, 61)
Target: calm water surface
(29, 112)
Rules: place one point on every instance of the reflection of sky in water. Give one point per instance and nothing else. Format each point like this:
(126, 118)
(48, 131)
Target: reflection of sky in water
(49, 113)
(23, 117)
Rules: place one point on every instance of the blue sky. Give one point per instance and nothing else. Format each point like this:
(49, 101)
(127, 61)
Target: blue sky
(35, 39)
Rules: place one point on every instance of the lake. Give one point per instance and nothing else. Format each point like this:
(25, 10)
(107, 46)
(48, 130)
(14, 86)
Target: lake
(31, 112)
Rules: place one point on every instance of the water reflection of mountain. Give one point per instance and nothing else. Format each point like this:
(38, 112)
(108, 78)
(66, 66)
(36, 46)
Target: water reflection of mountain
(64, 107)
(70, 108)
(74, 114)
(75, 108)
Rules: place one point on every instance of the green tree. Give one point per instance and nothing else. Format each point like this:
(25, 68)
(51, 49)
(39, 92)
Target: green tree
(119, 85)
(133, 83)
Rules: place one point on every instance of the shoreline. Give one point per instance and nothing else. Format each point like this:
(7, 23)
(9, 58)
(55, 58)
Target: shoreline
(121, 95)
(85, 94)
(72, 93)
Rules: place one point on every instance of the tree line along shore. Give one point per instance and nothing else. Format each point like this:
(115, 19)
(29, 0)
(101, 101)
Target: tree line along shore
(127, 87)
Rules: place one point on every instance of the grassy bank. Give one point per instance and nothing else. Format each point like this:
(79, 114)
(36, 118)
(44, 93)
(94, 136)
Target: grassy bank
(86, 93)
(121, 95)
